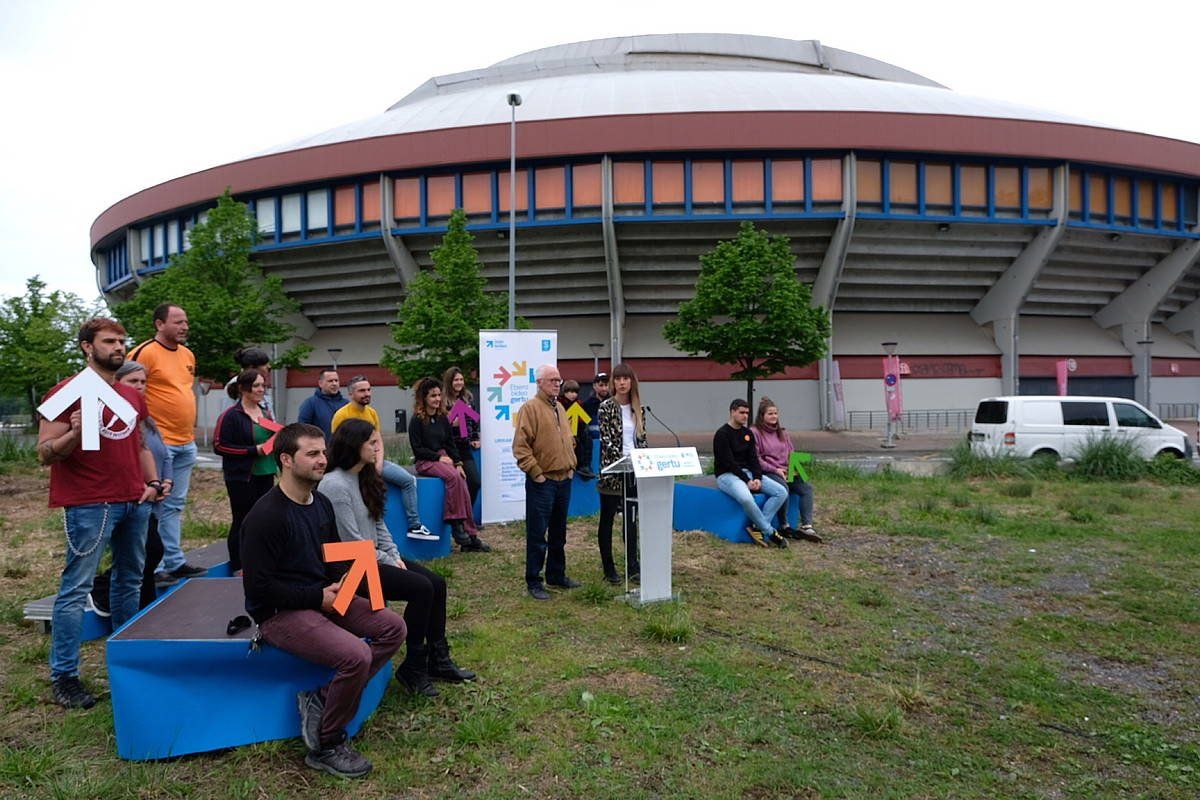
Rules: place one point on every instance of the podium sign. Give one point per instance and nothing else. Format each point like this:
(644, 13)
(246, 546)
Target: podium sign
(660, 461)
(655, 470)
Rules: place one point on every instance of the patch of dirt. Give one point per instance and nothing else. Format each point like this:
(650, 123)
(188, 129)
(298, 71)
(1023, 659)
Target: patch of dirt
(629, 683)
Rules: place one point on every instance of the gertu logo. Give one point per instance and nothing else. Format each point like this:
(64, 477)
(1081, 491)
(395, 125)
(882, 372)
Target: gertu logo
(545, 345)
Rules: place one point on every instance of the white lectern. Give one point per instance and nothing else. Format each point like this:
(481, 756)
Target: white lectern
(652, 510)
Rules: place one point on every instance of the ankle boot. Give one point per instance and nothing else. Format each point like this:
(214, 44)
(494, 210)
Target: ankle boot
(459, 535)
(413, 673)
(443, 668)
(477, 545)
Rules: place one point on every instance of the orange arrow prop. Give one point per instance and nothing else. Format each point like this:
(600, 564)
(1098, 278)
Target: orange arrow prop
(365, 566)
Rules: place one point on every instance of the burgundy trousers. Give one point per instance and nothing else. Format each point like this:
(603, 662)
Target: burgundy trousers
(458, 496)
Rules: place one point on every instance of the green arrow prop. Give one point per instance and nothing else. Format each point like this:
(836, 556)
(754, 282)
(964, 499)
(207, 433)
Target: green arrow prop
(796, 466)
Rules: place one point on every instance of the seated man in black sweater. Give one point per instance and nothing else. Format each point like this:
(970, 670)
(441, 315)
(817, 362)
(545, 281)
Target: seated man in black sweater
(739, 475)
(290, 592)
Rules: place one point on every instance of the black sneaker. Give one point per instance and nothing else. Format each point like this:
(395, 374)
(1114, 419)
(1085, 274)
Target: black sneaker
(756, 536)
(69, 693)
(613, 578)
(311, 709)
(162, 579)
(538, 592)
(565, 583)
(777, 540)
(476, 545)
(343, 761)
(97, 602)
(186, 570)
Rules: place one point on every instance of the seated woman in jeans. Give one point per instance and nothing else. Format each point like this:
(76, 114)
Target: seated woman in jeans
(357, 493)
(774, 451)
(739, 475)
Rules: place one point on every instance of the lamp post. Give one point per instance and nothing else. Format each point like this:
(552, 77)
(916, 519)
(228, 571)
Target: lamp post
(596, 347)
(514, 100)
(334, 352)
(890, 380)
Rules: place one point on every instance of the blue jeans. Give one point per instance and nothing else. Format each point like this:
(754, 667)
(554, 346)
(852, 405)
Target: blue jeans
(736, 488)
(89, 530)
(802, 489)
(394, 473)
(546, 514)
(170, 509)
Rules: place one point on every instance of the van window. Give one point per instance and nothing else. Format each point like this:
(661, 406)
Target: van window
(1133, 417)
(992, 412)
(1080, 413)
(1047, 412)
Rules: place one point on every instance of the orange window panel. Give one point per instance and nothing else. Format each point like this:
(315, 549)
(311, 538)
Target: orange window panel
(586, 189)
(902, 182)
(343, 206)
(1170, 204)
(668, 182)
(370, 201)
(939, 189)
(1008, 187)
(787, 180)
(522, 190)
(1122, 199)
(1098, 195)
(747, 181)
(973, 191)
(1145, 200)
(550, 184)
(406, 198)
(1041, 187)
(708, 182)
(439, 195)
(1076, 192)
(477, 193)
(629, 183)
(827, 180)
(870, 183)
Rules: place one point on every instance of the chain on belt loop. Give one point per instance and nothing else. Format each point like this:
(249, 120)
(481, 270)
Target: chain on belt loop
(99, 536)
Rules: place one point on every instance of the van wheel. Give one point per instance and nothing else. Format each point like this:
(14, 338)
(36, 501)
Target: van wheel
(1170, 451)
(1045, 455)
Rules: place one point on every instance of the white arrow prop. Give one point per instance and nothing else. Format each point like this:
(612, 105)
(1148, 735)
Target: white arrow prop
(92, 392)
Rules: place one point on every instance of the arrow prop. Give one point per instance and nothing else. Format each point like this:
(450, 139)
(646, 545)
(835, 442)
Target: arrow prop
(93, 393)
(364, 565)
(576, 415)
(796, 466)
(275, 428)
(459, 412)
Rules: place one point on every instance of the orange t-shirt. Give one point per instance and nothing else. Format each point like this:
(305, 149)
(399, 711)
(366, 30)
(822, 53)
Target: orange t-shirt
(170, 376)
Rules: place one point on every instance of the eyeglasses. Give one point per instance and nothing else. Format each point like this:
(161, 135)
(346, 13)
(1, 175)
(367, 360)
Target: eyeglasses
(553, 380)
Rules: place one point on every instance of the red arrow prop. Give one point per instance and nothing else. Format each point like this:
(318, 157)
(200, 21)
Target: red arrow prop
(459, 413)
(365, 566)
(503, 375)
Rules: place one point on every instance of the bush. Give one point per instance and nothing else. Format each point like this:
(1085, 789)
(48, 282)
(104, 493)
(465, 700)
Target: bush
(1175, 471)
(14, 450)
(1017, 489)
(966, 463)
(1108, 458)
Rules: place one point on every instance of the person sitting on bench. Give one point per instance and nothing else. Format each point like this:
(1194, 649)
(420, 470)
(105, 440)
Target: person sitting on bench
(290, 592)
(739, 475)
(357, 492)
(775, 448)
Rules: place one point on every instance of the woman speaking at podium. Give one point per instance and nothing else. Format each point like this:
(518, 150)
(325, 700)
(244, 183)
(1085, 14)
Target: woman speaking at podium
(622, 429)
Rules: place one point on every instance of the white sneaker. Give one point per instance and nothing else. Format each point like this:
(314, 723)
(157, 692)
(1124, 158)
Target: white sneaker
(90, 605)
(423, 533)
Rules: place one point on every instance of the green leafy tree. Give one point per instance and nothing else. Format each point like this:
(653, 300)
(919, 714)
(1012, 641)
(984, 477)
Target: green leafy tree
(437, 326)
(750, 310)
(38, 340)
(229, 301)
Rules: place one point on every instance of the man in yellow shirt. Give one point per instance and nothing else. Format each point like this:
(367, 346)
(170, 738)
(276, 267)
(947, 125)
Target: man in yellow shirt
(359, 407)
(170, 378)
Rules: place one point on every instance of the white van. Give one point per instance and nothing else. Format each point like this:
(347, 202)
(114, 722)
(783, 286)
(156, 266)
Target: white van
(1033, 425)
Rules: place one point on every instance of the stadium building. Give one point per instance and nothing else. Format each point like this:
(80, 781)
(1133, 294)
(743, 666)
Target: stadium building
(988, 239)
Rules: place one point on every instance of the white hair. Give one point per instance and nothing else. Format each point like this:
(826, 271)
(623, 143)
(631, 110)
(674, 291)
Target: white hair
(543, 370)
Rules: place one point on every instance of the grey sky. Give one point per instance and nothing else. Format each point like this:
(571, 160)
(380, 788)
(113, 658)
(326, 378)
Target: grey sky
(102, 100)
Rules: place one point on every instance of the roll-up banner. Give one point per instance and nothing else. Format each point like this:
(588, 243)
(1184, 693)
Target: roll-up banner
(507, 363)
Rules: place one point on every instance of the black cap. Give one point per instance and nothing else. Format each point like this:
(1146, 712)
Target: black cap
(600, 376)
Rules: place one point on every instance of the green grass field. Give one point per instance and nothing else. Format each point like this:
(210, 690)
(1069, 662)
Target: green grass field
(1016, 637)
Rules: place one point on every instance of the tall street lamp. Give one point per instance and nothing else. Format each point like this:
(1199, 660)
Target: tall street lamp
(514, 100)
(596, 347)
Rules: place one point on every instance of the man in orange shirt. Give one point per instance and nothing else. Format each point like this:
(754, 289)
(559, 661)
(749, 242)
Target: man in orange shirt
(170, 376)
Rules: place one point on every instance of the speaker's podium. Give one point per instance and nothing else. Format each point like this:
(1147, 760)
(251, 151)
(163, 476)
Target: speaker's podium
(653, 471)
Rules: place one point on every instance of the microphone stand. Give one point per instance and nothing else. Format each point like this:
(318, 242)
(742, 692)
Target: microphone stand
(646, 408)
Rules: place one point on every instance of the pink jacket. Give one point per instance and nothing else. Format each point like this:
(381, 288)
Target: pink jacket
(773, 451)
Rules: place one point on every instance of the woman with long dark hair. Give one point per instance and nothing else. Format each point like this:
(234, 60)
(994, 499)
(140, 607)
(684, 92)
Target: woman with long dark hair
(454, 388)
(240, 435)
(357, 492)
(774, 448)
(622, 429)
(439, 455)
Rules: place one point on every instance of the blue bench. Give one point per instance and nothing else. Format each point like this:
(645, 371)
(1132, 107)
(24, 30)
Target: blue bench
(181, 685)
(701, 506)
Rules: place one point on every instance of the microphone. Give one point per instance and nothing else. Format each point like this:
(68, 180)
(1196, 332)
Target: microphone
(660, 422)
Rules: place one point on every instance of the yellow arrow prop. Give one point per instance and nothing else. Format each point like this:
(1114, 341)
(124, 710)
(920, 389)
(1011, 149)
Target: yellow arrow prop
(576, 414)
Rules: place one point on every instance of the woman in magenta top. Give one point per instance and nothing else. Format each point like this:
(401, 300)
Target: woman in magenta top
(774, 450)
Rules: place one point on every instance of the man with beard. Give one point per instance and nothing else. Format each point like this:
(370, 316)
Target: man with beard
(105, 498)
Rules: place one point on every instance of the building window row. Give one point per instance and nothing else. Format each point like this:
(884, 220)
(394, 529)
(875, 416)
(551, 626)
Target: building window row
(1111, 199)
(954, 189)
(161, 240)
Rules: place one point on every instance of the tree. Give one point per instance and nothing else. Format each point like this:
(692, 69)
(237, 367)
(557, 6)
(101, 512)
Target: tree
(437, 326)
(39, 340)
(751, 310)
(230, 303)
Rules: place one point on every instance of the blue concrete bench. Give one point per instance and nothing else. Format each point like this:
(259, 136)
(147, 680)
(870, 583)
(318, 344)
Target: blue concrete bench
(181, 685)
(701, 506)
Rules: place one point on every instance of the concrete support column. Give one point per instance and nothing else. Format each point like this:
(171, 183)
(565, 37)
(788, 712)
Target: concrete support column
(1135, 336)
(406, 266)
(830, 275)
(1006, 333)
(612, 260)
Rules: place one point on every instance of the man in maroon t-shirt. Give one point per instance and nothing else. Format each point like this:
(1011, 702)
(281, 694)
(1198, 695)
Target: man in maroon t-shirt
(105, 497)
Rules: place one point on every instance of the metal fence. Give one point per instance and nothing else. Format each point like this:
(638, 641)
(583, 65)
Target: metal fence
(1178, 410)
(938, 419)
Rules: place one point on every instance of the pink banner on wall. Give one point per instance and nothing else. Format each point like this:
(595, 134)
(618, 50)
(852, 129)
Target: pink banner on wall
(892, 394)
(1060, 375)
